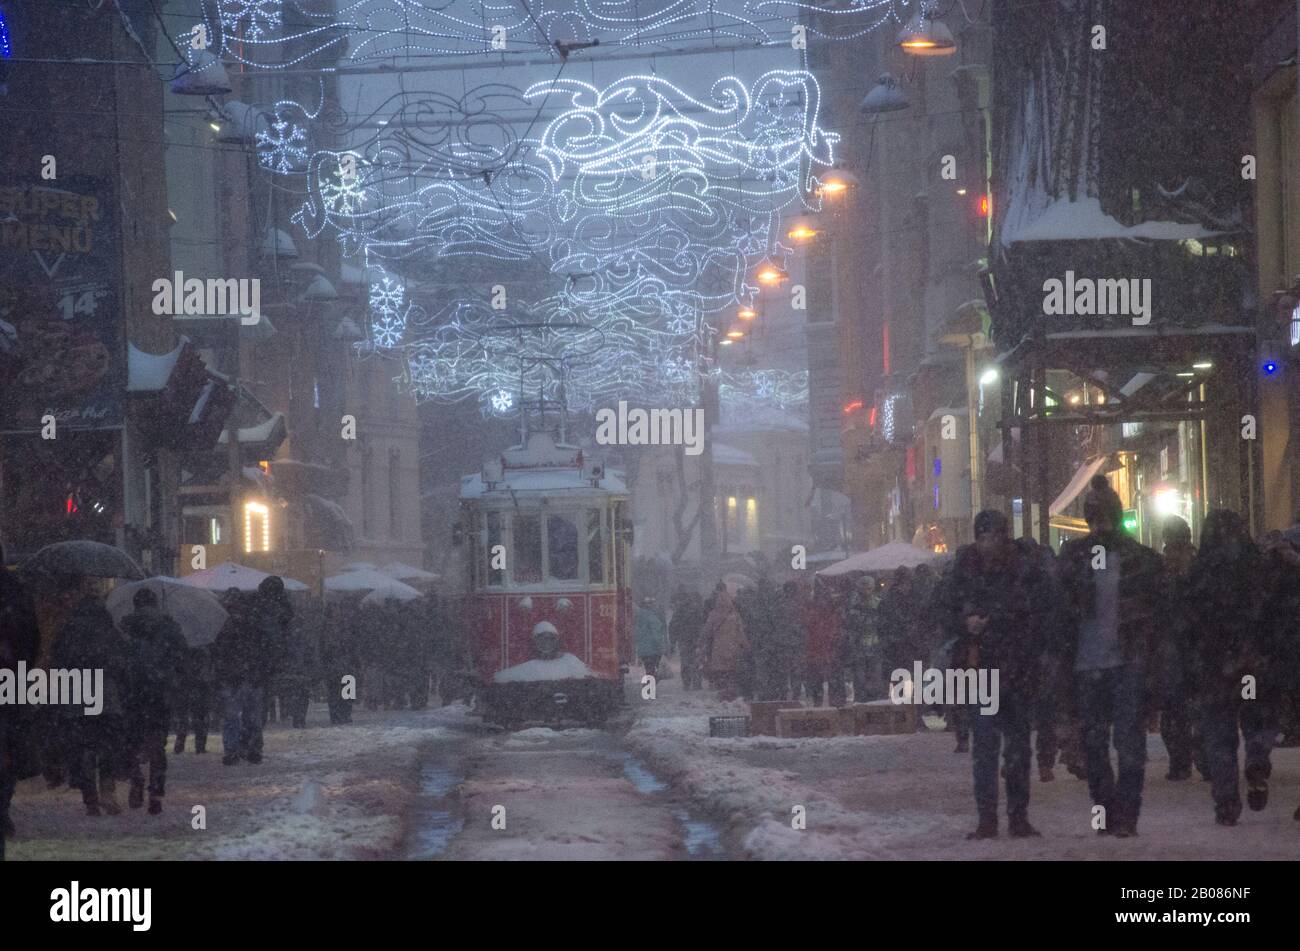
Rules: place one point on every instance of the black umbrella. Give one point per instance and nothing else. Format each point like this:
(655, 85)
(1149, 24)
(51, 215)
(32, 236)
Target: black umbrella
(83, 558)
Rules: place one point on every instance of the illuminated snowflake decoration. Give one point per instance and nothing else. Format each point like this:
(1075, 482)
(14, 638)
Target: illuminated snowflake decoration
(343, 191)
(283, 148)
(387, 297)
(253, 17)
(502, 401)
(387, 331)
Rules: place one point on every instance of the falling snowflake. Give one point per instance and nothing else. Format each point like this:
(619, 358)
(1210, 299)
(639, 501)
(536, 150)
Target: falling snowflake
(343, 191)
(502, 401)
(386, 297)
(261, 16)
(279, 150)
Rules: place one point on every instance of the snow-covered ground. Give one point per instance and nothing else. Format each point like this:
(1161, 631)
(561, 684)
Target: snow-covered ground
(910, 797)
(324, 792)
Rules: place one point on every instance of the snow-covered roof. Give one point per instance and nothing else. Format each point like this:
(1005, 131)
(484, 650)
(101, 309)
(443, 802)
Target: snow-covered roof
(724, 455)
(147, 372)
(259, 433)
(541, 482)
(1083, 220)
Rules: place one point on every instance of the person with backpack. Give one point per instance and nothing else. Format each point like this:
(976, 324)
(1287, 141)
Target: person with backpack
(155, 660)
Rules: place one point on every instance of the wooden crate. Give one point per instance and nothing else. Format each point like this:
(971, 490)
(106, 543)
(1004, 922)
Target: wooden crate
(762, 715)
(877, 719)
(819, 721)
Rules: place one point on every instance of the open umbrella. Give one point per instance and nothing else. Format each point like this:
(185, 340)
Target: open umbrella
(198, 611)
(394, 591)
(83, 558)
(230, 575)
(364, 580)
(404, 572)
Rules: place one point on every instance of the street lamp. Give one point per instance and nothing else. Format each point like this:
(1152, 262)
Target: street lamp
(802, 229)
(836, 182)
(887, 96)
(771, 275)
(926, 36)
(989, 376)
(746, 313)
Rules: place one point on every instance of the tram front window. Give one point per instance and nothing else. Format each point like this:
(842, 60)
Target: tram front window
(528, 549)
(562, 547)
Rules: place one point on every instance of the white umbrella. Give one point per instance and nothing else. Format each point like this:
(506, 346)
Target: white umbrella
(198, 612)
(404, 572)
(885, 558)
(396, 591)
(362, 579)
(230, 575)
(82, 557)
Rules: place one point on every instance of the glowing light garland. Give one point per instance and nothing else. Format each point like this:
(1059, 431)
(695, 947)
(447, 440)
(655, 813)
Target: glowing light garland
(375, 29)
(649, 205)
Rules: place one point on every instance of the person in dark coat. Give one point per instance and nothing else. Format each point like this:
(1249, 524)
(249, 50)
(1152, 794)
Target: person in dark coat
(155, 656)
(192, 702)
(247, 651)
(1227, 644)
(684, 630)
(995, 609)
(339, 659)
(297, 673)
(821, 647)
(1181, 739)
(96, 747)
(1112, 586)
(20, 641)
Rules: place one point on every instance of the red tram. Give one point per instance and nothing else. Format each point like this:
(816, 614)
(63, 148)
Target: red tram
(550, 592)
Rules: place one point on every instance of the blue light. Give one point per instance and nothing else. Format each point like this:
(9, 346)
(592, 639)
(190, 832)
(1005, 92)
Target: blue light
(1270, 368)
(5, 49)
(938, 467)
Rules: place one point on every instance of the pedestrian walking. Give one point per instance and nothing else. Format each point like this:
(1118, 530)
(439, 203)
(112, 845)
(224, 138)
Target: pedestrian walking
(155, 658)
(95, 747)
(995, 608)
(1177, 731)
(1228, 647)
(724, 637)
(685, 629)
(1112, 593)
(20, 641)
(651, 636)
(192, 703)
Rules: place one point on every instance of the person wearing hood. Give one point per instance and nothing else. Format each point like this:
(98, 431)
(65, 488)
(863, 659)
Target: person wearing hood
(724, 635)
(96, 746)
(651, 637)
(155, 657)
(1112, 594)
(1228, 647)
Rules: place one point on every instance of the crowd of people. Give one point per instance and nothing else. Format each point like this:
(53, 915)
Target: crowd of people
(268, 661)
(1092, 645)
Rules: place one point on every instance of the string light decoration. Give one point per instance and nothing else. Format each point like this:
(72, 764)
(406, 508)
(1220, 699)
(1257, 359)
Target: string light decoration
(649, 205)
(378, 29)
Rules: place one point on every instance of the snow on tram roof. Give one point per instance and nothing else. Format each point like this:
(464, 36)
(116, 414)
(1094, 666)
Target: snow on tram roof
(541, 482)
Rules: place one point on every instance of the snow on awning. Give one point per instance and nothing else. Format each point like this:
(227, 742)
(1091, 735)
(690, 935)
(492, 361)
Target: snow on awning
(1076, 484)
(1083, 220)
(262, 432)
(147, 372)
